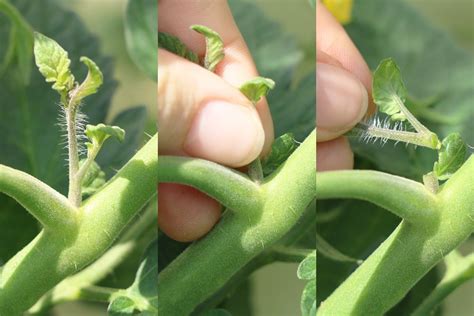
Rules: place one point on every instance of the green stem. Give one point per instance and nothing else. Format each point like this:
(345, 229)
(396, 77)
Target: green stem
(96, 294)
(141, 232)
(86, 165)
(409, 253)
(48, 206)
(420, 128)
(208, 264)
(53, 256)
(74, 193)
(231, 188)
(405, 198)
(458, 271)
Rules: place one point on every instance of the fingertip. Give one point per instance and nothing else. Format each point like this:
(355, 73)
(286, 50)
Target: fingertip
(334, 155)
(185, 214)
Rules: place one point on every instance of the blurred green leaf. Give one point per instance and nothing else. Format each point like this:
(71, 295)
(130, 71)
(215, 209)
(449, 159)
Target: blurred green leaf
(93, 180)
(308, 299)
(307, 267)
(217, 312)
(282, 148)
(141, 33)
(214, 47)
(330, 252)
(20, 45)
(90, 85)
(451, 156)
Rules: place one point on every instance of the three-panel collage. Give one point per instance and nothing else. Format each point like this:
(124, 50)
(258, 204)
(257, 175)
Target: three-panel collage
(236, 157)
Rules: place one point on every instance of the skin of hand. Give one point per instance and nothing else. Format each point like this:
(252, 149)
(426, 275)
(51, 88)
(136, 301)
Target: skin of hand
(343, 86)
(202, 114)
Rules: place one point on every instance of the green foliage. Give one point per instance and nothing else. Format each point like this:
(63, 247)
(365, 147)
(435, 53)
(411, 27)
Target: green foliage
(173, 44)
(257, 88)
(214, 46)
(98, 134)
(20, 45)
(53, 63)
(307, 271)
(451, 156)
(282, 148)
(93, 180)
(307, 267)
(142, 295)
(332, 253)
(141, 31)
(388, 89)
(90, 85)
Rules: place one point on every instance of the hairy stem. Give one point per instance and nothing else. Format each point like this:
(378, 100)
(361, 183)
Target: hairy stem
(231, 188)
(53, 256)
(83, 169)
(458, 271)
(408, 254)
(48, 206)
(74, 194)
(405, 198)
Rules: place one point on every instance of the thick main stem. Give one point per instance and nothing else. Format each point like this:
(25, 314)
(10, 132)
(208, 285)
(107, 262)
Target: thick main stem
(74, 193)
(207, 265)
(408, 254)
(53, 256)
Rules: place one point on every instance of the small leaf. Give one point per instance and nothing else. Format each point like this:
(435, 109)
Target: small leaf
(141, 28)
(53, 63)
(174, 45)
(90, 85)
(93, 180)
(330, 252)
(308, 299)
(282, 148)
(388, 89)
(307, 267)
(121, 306)
(341, 9)
(257, 88)
(451, 156)
(98, 134)
(214, 46)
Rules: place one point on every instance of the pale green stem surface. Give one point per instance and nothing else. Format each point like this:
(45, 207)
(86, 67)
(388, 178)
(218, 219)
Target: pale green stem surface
(74, 193)
(405, 198)
(208, 264)
(83, 169)
(409, 253)
(54, 255)
(458, 271)
(48, 206)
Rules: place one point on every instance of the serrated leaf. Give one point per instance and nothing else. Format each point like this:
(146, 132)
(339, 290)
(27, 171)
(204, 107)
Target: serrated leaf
(142, 295)
(257, 88)
(388, 89)
(90, 85)
(174, 45)
(53, 63)
(93, 180)
(307, 267)
(308, 299)
(98, 134)
(20, 45)
(282, 148)
(451, 156)
(214, 46)
(141, 31)
(327, 250)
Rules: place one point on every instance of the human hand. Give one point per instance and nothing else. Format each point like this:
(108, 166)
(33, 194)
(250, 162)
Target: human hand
(343, 83)
(202, 114)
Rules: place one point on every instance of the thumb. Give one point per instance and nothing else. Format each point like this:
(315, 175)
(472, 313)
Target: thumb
(201, 115)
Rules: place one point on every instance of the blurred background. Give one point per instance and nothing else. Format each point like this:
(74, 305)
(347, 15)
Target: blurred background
(276, 290)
